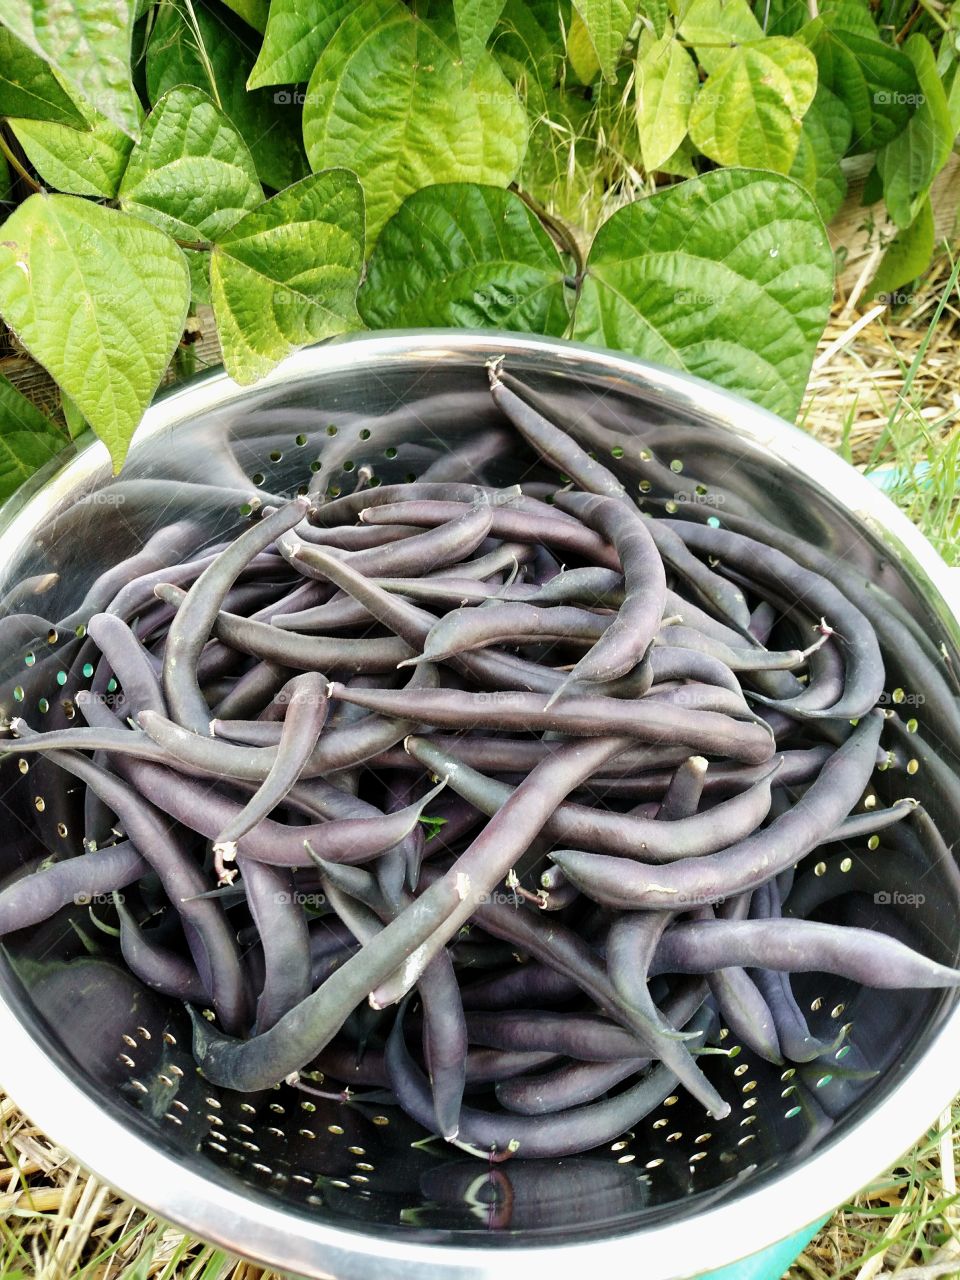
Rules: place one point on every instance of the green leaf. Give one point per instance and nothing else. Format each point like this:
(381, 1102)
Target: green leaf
(99, 299)
(713, 27)
(468, 256)
(6, 179)
(191, 173)
(875, 81)
(666, 85)
(783, 17)
(88, 43)
(88, 162)
(608, 24)
(657, 12)
(297, 33)
(76, 422)
(909, 163)
(580, 51)
(425, 124)
(824, 138)
(287, 273)
(530, 43)
(28, 439)
(751, 108)
(906, 257)
(475, 22)
(268, 120)
(29, 89)
(253, 12)
(729, 276)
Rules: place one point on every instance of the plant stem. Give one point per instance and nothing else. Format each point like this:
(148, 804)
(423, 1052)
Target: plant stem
(559, 230)
(14, 163)
(201, 246)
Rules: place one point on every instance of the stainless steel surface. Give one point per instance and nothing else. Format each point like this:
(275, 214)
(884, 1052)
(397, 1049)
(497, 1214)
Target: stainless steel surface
(275, 1182)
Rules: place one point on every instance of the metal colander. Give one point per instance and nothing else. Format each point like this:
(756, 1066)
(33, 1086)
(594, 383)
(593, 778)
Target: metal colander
(310, 1185)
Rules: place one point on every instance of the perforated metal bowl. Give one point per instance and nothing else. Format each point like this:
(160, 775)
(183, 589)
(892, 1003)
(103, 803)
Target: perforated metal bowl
(322, 1189)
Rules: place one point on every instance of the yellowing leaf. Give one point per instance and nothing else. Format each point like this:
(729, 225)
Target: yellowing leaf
(751, 108)
(99, 299)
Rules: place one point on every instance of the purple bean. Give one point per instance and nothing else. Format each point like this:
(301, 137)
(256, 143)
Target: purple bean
(579, 716)
(157, 967)
(41, 894)
(747, 863)
(623, 834)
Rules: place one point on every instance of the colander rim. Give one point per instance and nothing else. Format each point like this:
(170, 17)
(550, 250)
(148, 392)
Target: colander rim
(727, 1232)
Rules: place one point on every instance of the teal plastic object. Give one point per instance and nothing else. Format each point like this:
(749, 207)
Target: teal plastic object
(769, 1264)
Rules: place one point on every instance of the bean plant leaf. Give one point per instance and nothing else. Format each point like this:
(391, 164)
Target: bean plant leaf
(657, 12)
(253, 12)
(465, 255)
(28, 87)
(751, 108)
(28, 439)
(581, 54)
(713, 27)
(906, 257)
(608, 23)
(191, 172)
(88, 43)
(875, 81)
(666, 85)
(909, 163)
(475, 22)
(288, 273)
(297, 33)
(824, 138)
(99, 299)
(269, 121)
(424, 124)
(729, 276)
(76, 422)
(87, 162)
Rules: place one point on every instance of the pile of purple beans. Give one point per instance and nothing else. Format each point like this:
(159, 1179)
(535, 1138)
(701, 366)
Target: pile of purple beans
(449, 790)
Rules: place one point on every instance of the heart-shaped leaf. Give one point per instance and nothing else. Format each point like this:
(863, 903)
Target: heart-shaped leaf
(287, 273)
(750, 110)
(729, 276)
(424, 124)
(875, 81)
(88, 43)
(268, 120)
(99, 299)
(191, 172)
(608, 24)
(465, 255)
(666, 85)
